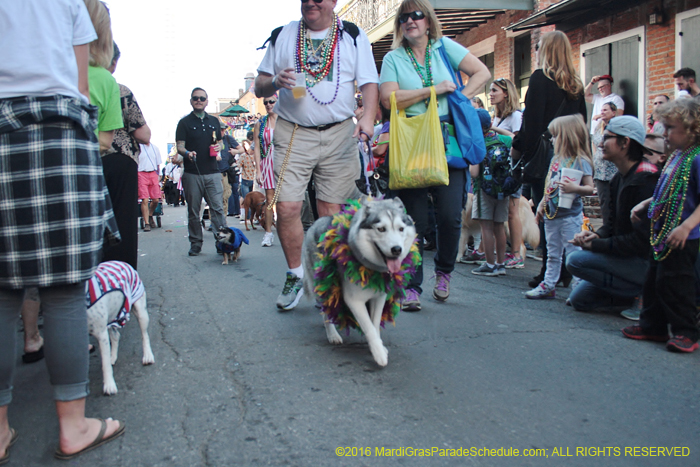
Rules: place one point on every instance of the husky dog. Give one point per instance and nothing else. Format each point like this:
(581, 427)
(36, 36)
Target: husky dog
(379, 237)
(113, 292)
(229, 241)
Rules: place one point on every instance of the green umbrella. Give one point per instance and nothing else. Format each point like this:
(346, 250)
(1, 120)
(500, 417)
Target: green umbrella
(233, 111)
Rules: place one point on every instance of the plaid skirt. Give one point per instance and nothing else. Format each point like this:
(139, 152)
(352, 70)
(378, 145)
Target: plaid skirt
(55, 210)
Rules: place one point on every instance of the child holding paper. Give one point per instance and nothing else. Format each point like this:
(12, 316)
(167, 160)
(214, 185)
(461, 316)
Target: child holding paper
(572, 150)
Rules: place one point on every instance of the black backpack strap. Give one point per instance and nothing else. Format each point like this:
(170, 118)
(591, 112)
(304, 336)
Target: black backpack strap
(352, 29)
(272, 39)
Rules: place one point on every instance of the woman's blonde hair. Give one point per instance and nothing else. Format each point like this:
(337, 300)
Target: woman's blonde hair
(557, 63)
(408, 6)
(512, 101)
(684, 110)
(571, 139)
(101, 49)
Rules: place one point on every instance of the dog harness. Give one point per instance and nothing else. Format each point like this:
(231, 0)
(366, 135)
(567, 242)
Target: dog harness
(337, 263)
(238, 239)
(112, 276)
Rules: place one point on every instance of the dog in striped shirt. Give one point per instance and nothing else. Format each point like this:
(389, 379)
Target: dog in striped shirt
(114, 291)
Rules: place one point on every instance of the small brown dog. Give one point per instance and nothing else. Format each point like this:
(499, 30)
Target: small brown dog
(255, 201)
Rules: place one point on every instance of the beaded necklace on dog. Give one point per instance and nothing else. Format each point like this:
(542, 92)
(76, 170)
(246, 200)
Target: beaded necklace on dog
(336, 263)
(427, 77)
(318, 62)
(669, 197)
(264, 151)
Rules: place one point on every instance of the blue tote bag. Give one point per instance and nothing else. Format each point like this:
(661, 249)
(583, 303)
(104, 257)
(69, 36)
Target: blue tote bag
(466, 122)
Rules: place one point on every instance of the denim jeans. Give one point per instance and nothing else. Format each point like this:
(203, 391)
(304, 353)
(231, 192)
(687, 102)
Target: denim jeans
(65, 340)
(604, 277)
(558, 232)
(448, 216)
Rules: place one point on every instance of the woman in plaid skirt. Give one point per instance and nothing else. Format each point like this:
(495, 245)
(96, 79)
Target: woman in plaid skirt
(55, 209)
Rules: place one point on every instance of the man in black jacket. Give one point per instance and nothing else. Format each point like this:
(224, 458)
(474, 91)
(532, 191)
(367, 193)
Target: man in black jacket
(614, 260)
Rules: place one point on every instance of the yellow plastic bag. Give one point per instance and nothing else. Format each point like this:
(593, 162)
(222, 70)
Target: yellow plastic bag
(417, 150)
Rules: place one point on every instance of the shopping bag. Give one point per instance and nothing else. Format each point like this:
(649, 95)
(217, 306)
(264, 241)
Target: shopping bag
(466, 121)
(417, 155)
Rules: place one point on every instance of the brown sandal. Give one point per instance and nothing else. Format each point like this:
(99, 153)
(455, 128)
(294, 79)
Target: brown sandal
(99, 441)
(13, 438)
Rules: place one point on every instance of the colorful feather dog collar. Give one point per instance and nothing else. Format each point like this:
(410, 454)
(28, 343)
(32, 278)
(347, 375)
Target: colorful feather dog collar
(336, 262)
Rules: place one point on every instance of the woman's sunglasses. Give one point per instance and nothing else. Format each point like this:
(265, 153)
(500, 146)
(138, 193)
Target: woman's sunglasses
(269, 102)
(414, 15)
(315, 1)
(199, 98)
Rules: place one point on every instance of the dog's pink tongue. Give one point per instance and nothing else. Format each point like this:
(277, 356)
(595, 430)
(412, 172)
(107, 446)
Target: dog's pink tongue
(394, 265)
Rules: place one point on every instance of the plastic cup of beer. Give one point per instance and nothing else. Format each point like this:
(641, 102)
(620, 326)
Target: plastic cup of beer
(299, 89)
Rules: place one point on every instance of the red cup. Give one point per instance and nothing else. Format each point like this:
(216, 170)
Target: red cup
(214, 150)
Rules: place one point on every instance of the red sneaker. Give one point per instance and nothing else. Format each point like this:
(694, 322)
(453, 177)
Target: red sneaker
(636, 332)
(681, 344)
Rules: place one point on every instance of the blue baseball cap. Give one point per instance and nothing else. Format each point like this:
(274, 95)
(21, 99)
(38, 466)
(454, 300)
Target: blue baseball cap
(484, 117)
(629, 126)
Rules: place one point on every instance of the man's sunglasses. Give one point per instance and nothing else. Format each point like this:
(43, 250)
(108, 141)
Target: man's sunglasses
(414, 15)
(269, 102)
(199, 98)
(315, 1)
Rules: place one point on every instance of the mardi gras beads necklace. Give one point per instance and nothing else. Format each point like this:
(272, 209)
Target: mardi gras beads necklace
(669, 197)
(264, 151)
(317, 63)
(550, 189)
(427, 77)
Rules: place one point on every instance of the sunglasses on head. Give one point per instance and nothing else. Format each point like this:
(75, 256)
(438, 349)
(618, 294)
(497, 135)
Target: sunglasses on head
(315, 1)
(269, 102)
(199, 98)
(414, 15)
(500, 82)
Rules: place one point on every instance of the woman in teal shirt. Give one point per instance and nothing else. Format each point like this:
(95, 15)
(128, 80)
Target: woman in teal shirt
(410, 70)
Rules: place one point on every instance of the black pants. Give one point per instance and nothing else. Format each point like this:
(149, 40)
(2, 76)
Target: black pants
(448, 217)
(121, 176)
(669, 294)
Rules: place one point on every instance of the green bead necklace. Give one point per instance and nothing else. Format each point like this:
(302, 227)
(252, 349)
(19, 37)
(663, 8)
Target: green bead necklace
(427, 77)
(669, 197)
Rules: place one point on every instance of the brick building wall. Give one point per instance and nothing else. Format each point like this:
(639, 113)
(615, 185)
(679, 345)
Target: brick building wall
(660, 40)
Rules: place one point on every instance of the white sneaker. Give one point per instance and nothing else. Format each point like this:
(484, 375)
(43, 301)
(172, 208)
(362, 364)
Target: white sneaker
(267, 239)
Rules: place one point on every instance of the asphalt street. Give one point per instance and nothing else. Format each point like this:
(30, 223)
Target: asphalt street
(238, 383)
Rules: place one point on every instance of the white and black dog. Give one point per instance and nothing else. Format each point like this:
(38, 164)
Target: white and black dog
(379, 235)
(113, 292)
(229, 241)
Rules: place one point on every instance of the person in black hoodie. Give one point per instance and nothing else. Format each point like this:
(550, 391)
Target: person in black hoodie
(554, 90)
(615, 259)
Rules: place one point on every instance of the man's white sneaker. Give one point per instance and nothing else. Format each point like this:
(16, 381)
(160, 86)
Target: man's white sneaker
(267, 239)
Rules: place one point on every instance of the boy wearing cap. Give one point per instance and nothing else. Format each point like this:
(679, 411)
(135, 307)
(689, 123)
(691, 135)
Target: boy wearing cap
(604, 85)
(614, 260)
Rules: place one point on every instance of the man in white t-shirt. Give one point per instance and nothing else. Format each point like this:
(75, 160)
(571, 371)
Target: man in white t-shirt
(315, 134)
(149, 186)
(605, 95)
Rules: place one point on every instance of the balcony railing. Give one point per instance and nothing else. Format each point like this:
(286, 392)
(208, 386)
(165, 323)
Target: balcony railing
(369, 14)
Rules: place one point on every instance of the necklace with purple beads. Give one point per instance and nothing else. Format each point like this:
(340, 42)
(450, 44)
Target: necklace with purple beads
(301, 55)
(666, 205)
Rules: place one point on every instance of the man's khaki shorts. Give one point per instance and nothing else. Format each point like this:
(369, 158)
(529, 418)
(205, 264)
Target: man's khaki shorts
(331, 156)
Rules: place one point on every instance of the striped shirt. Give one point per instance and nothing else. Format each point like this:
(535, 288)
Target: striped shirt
(113, 276)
